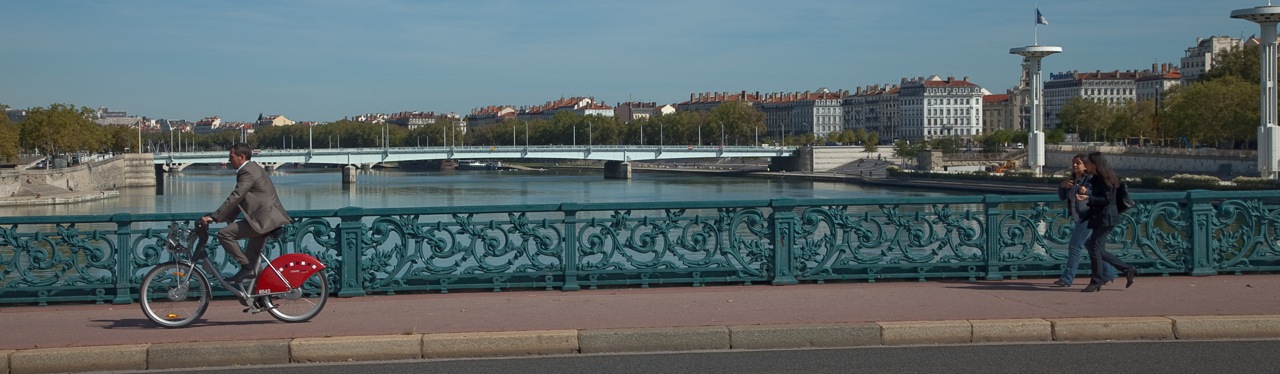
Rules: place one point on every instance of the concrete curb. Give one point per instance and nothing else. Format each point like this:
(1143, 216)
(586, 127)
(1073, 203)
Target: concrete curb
(1112, 328)
(654, 339)
(561, 342)
(926, 332)
(356, 348)
(216, 354)
(1226, 327)
(804, 336)
(79, 359)
(490, 344)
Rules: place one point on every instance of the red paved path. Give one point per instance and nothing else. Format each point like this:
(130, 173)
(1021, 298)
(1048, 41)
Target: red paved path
(23, 327)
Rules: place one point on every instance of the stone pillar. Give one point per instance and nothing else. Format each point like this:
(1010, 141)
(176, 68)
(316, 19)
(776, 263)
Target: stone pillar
(929, 160)
(617, 170)
(348, 174)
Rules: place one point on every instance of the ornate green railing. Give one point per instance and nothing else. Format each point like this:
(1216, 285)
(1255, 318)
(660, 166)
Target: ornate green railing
(570, 246)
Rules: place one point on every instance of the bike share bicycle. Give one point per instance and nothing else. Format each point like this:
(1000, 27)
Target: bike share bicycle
(294, 288)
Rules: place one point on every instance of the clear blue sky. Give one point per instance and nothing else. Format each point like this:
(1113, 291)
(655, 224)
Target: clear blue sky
(323, 60)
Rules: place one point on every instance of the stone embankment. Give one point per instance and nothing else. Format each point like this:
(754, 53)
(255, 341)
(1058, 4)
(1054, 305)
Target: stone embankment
(88, 181)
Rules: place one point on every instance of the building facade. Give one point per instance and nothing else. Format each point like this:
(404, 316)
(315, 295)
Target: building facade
(1152, 84)
(934, 108)
(1114, 88)
(1199, 58)
(1000, 112)
(873, 109)
(796, 113)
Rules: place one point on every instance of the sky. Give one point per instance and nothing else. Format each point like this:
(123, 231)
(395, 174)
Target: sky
(323, 60)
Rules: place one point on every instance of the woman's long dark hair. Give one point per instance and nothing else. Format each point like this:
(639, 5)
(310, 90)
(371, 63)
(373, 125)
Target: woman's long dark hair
(1101, 169)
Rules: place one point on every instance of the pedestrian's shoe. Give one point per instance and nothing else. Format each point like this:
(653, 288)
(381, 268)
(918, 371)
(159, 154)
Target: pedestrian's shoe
(1060, 283)
(1128, 277)
(245, 273)
(1092, 288)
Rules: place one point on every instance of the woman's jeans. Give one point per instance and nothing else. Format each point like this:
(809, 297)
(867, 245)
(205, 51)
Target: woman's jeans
(1075, 249)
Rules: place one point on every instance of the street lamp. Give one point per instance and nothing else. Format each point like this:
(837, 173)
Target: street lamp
(721, 134)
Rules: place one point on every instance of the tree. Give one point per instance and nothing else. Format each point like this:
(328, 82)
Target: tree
(1240, 62)
(905, 149)
(741, 122)
(872, 142)
(1214, 111)
(8, 135)
(59, 129)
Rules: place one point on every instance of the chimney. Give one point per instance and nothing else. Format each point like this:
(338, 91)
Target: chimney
(966, 78)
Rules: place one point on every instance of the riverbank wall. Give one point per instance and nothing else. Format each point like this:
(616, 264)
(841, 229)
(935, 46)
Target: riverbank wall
(82, 182)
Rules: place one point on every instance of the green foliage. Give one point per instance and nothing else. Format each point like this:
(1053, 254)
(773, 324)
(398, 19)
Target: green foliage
(8, 135)
(1212, 112)
(947, 145)
(905, 149)
(60, 129)
(1239, 62)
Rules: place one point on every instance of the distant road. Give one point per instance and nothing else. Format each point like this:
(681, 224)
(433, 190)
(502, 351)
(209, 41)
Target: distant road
(1237, 357)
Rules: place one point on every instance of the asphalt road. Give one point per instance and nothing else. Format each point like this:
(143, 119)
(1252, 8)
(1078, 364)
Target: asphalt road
(1239, 357)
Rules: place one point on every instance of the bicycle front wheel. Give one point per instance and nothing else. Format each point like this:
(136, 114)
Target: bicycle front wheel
(174, 294)
(304, 302)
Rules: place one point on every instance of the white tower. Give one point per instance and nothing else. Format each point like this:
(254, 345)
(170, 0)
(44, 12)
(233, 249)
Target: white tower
(1031, 56)
(1268, 135)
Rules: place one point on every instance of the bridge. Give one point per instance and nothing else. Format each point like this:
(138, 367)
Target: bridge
(615, 155)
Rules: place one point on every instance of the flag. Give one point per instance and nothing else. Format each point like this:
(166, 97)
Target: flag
(1040, 18)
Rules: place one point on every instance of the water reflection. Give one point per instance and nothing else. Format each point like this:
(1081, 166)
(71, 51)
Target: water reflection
(201, 190)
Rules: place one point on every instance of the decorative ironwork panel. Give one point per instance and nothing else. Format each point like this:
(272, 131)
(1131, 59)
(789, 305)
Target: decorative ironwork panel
(1245, 236)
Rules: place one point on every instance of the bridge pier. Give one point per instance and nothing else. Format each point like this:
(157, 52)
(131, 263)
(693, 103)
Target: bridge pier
(269, 166)
(348, 174)
(174, 167)
(617, 170)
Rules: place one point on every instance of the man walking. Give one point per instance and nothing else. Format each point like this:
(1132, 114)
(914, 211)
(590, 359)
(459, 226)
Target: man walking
(254, 197)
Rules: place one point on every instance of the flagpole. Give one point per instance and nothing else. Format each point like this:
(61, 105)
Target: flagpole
(1035, 33)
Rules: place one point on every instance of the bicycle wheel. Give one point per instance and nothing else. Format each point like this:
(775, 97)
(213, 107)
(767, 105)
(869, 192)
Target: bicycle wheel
(304, 302)
(174, 294)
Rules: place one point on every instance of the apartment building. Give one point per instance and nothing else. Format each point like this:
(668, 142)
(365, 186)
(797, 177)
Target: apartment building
(632, 111)
(935, 108)
(1000, 112)
(1199, 58)
(708, 100)
(797, 113)
(1152, 84)
(873, 109)
(273, 120)
(1114, 87)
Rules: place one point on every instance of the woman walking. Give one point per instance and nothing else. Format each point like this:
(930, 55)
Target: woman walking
(1100, 195)
(1079, 216)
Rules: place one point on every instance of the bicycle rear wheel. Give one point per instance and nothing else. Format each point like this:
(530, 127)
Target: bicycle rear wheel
(174, 294)
(304, 302)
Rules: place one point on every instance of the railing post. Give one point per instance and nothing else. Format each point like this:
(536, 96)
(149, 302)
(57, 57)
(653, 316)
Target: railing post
(991, 209)
(124, 258)
(783, 223)
(1200, 210)
(570, 247)
(350, 236)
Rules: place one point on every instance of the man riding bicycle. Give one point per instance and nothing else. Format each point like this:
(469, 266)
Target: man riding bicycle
(255, 197)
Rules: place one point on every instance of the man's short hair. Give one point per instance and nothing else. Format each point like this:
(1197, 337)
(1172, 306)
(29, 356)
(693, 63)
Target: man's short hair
(243, 149)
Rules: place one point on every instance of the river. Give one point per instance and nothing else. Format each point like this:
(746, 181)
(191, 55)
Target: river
(203, 189)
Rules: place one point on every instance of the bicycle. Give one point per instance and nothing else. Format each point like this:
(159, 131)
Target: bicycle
(177, 293)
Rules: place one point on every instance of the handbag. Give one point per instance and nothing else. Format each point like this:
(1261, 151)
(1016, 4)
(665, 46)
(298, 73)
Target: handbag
(1123, 202)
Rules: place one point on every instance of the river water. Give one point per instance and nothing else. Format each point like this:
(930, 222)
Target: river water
(201, 190)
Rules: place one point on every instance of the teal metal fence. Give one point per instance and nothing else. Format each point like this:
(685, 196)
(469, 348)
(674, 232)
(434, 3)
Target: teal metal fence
(101, 258)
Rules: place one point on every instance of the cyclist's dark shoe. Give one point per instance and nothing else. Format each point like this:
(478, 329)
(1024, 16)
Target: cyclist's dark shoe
(245, 273)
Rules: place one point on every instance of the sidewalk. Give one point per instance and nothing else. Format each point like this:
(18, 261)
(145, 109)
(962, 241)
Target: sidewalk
(634, 319)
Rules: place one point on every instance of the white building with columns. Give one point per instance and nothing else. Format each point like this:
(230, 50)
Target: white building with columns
(935, 108)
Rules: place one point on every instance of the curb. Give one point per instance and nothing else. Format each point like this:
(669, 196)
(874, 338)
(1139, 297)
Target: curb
(566, 342)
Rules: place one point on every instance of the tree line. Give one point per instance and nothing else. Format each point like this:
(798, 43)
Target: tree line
(1219, 110)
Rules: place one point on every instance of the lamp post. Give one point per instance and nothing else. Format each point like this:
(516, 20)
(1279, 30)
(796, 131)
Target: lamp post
(1031, 56)
(722, 135)
(1268, 133)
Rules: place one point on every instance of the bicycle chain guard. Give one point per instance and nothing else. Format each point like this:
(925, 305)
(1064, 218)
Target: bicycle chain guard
(295, 267)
